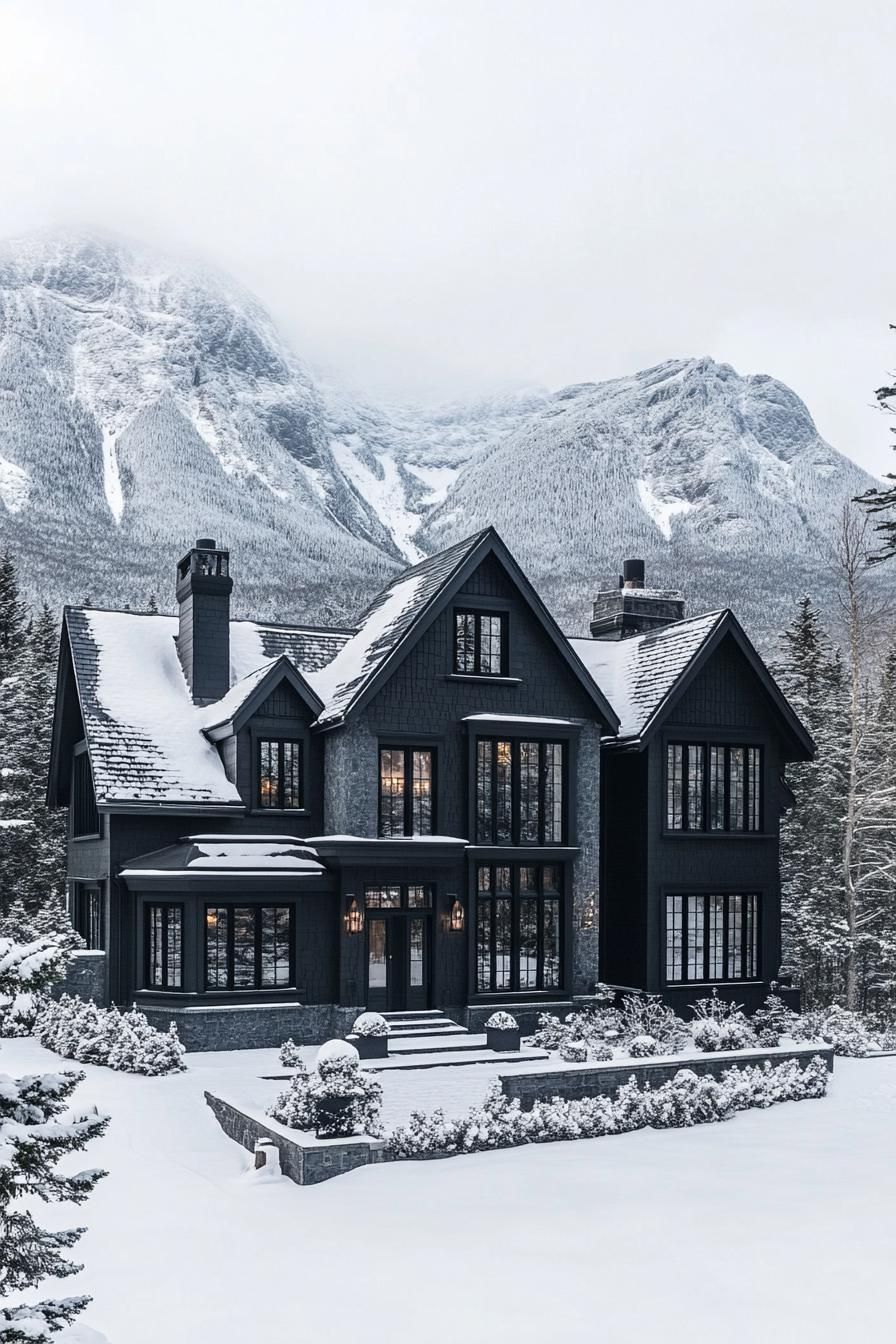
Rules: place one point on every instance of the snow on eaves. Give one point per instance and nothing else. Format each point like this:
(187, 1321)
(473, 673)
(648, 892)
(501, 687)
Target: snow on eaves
(637, 674)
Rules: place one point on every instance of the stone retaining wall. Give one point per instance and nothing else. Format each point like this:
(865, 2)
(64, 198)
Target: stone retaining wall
(253, 1026)
(599, 1080)
(304, 1163)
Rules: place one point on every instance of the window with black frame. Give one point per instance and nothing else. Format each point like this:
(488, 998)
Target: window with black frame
(480, 643)
(87, 914)
(712, 937)
(713, 787)
(407, 791)
(280, 783)
(85, 816)
(519, 792)
(164, 946)
(519, 911)
(249, 947)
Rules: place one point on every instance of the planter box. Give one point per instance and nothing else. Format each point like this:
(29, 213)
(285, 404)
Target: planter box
(499, 1038)
(370, 1047)
(334, 1121)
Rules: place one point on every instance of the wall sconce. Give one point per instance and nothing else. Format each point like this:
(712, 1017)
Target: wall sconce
(354, 918)
(455, 921)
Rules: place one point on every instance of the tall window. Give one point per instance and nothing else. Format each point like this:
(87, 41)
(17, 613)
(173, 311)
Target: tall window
(480, 643)
(87, 914)
(248, 947)
(407, 791)
(279, 773)
(518, 927)
(164, 946)
(519, 792)
(713, 787)
(85, 817)
(712, 937)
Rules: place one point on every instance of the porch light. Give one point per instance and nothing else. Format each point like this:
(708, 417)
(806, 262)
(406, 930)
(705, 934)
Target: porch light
(456, 918)
(354, 918)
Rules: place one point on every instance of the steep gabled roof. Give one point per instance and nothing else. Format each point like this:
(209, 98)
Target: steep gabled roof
(644, 676)
(144, 734)
(405, 609)
(228, 714)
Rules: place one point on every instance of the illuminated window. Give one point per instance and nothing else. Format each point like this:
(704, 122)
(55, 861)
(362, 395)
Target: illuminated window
(407, 791)
(280, 774)
(519, 792)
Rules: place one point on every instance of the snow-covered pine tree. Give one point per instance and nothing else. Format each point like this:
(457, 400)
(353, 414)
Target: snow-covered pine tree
(884, 501)
(38, 1126)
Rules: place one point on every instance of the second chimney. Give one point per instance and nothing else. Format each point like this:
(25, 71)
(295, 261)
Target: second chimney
(632, 609)
(204, 586)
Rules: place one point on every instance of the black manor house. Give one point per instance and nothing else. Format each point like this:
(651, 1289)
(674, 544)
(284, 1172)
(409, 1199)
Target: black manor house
(451, 805)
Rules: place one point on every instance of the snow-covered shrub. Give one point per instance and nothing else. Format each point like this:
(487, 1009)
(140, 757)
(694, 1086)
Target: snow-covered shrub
(290, 1056)
(549, 1033)
(647, 1015)
(849, 1033)
(729, 1034)
(772, 1021)
(684, 1100)
(371, 1024)
(601, 1051)
(309, 1101)
(643, 1047)
(78, 1029)
(502, 1021)
(574, 1052)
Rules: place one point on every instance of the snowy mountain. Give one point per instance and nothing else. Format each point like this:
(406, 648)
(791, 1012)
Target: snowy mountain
(143, 403)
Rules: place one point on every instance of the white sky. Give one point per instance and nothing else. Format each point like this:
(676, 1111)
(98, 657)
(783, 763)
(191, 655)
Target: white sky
(441, 200)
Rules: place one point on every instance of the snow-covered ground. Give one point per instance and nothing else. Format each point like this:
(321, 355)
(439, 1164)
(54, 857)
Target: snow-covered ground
(778, 1224)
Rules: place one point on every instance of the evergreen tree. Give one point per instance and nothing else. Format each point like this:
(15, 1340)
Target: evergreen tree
(884, 501)
(38, 1127)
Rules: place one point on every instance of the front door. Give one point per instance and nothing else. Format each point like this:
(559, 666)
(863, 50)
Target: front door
(397, 978)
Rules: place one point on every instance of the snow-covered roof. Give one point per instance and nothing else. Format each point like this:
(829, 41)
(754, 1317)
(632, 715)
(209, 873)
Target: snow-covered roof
(243, 854)
(144, 733)
(382, 627)
(638, 674)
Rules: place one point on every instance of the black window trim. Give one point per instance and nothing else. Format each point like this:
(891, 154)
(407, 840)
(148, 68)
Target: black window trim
(515, 738)
(705, 892)
(469, 608)
(707, 742)
(81, 891)
(260, 734)
(516, 896)
(148, 907)
(257, 906)
(78, 805)
(408, 749)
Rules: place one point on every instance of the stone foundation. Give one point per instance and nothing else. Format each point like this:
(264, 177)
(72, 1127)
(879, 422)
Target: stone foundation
(86, 977)
(253, 1026)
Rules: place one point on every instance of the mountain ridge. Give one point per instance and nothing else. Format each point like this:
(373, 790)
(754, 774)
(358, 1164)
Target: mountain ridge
(143, 402)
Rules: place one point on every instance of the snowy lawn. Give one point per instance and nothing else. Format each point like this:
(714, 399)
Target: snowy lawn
(776, 1224)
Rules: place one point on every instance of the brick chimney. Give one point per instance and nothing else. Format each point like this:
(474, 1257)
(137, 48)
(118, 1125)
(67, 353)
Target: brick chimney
(631, 609)
(204, 586)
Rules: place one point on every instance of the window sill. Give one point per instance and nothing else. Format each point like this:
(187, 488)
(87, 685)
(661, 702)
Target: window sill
(482, 679)
(279, 812)
(718, 835)
(711, 984)
(78, 839)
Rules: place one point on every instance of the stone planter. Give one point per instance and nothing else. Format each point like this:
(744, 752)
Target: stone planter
(371, 1047)
(334, 1118)
(502, 1038)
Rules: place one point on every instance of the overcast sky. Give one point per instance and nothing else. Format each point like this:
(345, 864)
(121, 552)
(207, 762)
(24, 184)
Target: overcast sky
(441, 200)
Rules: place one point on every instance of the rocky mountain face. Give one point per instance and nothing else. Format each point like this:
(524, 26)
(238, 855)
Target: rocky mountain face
(143, 404)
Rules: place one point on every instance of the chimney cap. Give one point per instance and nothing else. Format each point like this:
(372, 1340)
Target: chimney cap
(633, 573)
(205, 544)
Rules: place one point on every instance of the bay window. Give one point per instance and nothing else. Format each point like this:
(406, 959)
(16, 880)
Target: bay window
(713, 787)
(249, 947)
(519, 792)
(518, 927)
(712, 937)
(164, 946)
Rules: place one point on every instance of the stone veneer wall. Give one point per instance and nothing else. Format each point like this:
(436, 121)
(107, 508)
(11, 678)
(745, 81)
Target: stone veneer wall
(351, 780)
(253, 1026)
(587, 864)
(601, 1080)
(86, 977)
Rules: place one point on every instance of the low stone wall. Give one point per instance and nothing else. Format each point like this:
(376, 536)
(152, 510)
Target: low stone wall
(599, 1080)
(86, 977)
(253, 1026)
(304, 1163)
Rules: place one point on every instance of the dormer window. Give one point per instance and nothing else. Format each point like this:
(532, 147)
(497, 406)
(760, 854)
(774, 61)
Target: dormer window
(480, 643)
(280, 784)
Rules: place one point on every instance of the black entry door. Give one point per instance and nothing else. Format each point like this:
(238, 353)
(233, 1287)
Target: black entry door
(397, 975)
